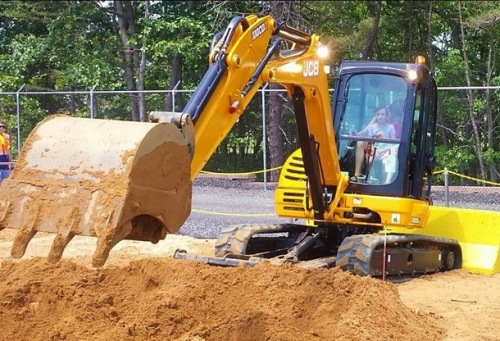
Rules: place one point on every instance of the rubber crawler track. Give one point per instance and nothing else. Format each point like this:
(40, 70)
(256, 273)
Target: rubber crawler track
(234, 239)
(355, 253)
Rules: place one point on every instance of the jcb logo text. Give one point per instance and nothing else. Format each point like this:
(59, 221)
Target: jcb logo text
(311, 68)
(258, 31)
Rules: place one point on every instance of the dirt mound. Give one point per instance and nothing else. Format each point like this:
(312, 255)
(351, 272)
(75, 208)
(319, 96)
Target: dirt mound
(166, 299)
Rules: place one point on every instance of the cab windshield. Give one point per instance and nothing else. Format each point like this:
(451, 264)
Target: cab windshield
(371, 127)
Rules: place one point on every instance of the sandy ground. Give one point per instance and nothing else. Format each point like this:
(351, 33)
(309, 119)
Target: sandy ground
(142, 293)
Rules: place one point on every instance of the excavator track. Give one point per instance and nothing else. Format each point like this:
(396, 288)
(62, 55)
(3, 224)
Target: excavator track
(234, 246)
(405, 255)
(250, 244)
(361, 254)
(236, 239)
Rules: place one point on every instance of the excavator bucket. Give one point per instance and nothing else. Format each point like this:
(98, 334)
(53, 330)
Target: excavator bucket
(476, 231)
(110, 179)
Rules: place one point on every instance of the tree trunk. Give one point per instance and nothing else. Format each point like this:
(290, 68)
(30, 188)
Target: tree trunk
(175, 82)
(430, 54)
(470, 98)
(409, 31)
(275, 111)
(367, 52)
(491, 143)
(178, 102)
(430, 58)
(126, 28)
(141, 96)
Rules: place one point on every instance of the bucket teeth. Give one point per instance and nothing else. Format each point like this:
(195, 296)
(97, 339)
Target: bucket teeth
(21, 241)
(58, 246)
(106, 240)
(101, 253)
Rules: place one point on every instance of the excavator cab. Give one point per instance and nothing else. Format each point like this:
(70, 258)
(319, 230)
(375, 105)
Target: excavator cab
(383, 117)
(391, 154)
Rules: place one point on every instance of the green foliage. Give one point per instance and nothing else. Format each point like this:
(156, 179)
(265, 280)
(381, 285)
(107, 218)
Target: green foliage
(344, 31)
(456, 159)
(26, 121)
(180, 31)
(75, 45)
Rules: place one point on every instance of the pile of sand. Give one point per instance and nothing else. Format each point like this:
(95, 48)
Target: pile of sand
(166, 299)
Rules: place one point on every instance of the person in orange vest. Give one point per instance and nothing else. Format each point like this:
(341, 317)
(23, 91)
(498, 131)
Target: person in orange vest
(5, 155)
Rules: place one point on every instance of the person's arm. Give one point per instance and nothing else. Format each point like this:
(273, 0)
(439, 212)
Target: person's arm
(392, 132)
(366, 130)
(369, 130)
(7, 145)
(363, 132)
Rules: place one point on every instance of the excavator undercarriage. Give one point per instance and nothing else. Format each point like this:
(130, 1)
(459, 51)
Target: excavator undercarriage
(360, 252)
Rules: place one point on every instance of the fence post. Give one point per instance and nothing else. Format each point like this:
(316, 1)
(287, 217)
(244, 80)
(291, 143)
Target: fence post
(92, 100)
(173, 95)
(264, 134)
(18, 116)
(446, 187)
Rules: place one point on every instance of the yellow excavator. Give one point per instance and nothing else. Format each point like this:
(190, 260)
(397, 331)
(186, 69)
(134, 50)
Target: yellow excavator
(359, 184)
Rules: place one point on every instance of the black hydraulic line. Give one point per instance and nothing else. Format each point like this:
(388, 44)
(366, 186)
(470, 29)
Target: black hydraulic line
(253, 79)
(205, 89)
(211, 79)
(231, 28)
(217, 37)
(305, 245)
(309, 154)
(215, 72)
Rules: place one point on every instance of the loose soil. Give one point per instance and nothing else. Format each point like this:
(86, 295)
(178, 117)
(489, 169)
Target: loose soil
(143, 294)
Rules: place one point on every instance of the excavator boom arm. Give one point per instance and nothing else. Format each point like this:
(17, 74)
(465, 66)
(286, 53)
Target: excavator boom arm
(253, 51)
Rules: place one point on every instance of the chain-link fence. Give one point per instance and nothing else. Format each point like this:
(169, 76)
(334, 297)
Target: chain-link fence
(478, 194)
(245, 153)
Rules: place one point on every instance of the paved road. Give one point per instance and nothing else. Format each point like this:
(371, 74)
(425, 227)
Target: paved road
(219, 203)
(216, 207)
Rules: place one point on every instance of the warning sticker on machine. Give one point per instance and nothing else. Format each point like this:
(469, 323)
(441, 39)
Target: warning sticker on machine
(271, 235)
(395, 218)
